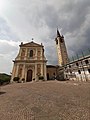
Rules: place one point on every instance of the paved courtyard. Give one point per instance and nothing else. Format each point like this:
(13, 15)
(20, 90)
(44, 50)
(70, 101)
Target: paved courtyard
(51, 100)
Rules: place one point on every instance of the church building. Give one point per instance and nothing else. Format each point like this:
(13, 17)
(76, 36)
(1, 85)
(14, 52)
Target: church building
(30, 63)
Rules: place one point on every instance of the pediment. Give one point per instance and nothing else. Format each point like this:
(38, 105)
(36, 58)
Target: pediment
(31, 44)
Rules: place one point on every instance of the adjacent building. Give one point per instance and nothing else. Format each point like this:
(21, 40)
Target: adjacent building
(78, 70)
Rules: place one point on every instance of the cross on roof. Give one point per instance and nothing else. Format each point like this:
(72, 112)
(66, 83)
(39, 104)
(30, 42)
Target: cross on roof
(32, 39)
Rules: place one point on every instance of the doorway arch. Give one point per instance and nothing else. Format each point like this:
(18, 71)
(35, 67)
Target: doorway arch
(29, 75)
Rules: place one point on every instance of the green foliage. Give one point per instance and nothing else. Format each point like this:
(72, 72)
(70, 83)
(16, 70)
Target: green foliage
(4, 78)
(16, 79)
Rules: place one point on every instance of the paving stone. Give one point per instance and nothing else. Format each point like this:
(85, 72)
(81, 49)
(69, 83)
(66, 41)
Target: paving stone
(49, 100)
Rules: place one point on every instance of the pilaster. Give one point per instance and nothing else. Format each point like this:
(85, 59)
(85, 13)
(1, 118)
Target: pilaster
(36, 78)
(16, 74)
(45, 76)
(36, 54)
(42, 69)
(13, 73)
(26, 53)
(23, 72)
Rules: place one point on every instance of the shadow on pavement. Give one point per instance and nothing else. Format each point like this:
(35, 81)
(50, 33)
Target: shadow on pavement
(2, 92)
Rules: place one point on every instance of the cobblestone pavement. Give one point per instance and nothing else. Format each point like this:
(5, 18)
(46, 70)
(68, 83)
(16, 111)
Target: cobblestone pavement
(50, 100)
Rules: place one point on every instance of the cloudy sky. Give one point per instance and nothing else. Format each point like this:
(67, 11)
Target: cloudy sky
(22, 20)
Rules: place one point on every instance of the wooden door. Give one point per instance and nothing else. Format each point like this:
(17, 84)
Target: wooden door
(29, 75)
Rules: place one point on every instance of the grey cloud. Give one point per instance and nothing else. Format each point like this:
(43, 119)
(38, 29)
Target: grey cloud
(51, 55)
(8, 52)
(6, 48)
(39, 19)
(6, 32)
(76, 15)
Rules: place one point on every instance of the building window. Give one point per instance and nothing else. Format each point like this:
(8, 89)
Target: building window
(31, 53)
(86, 61)
(70, 71)
(53, 73)
(61, 40)
(77, 64)
(89, 70)
(69, 66)
(65, 67)
(79, 71)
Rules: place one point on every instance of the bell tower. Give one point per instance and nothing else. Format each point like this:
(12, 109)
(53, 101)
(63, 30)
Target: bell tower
(61, 49)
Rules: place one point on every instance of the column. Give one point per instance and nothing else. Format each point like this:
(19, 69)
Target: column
(23, 72)
(16, 74)
(36, 54)
(20, 53)
(42, 69)
(13, 73)
(26, 53)
(36, 78)
(41, 54)
(45, 72)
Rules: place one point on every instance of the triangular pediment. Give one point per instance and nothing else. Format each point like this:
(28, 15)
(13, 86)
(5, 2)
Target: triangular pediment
(31, 44)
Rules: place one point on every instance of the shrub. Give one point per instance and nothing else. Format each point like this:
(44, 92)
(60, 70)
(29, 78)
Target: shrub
(1, 82)
(41, 78)
(23, 80)
(4, 81)
(33, 78)
(16, 79)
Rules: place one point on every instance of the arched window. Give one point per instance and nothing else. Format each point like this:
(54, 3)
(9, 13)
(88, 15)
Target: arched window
(79, 71)
(77, 64)
(86, 61)
(61, 40)
(31, 53)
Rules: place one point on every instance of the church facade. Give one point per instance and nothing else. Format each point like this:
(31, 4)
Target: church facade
(30, 63)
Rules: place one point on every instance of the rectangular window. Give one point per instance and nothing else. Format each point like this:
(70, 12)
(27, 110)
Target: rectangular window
(89, 70)
(77, 64)
(79, 71)
(70, 71)
(69, 66)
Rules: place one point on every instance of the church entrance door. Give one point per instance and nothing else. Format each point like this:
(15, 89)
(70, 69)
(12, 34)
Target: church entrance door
(29, 75)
